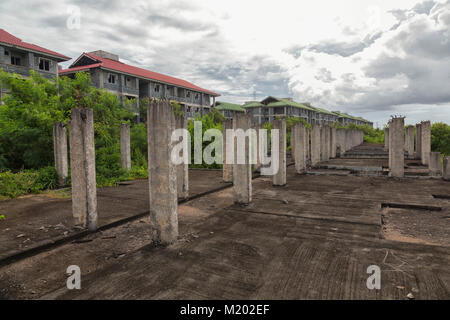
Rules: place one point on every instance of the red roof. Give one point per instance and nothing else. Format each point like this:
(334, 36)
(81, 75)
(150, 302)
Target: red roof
(142, 73)
(8, 38)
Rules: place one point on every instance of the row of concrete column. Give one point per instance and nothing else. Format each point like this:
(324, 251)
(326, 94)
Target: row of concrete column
(167, 181)
(398, 141)
(60, 149)
(324, 143)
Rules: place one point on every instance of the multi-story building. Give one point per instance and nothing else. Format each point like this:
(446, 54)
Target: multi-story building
(17, 56)
(133, 83)
(345, 119)
(271, 107)
(228, 110)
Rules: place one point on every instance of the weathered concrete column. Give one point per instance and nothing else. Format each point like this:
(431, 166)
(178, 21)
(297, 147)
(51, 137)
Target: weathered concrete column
(182, 169)
(386, 138)
(322, 143)
(425, 144)
(258, 164)
(60, 152)
(315, 145)
(279, 179)
(227, 168)
(409, 141)
(333, 142)
(307, 145)
(435, 164)
(242, 172)
(396, 147)
(162, 173)
(125, 148)
(292, 144)
(390, 143)
(340, 135)
(325, 143)
(299, 131)
(82, 168)
(446, 168)
(418, 150)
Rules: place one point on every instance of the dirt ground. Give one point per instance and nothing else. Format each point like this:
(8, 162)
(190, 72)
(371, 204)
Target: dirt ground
(311, 239)
(34, 220)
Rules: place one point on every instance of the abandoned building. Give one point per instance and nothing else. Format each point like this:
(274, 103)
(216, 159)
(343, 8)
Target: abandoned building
(228, 110)
(271, 107)
(17, 56)
(133, 83)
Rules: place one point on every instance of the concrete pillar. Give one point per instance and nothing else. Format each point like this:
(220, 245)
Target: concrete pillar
(418, 150)
(162, 174)
(125, 148)
(227, 168)
(242, 172)
(299, 132)
(324, 143)
(333, 142)
(315, 144)
(435, 164)
(390, 144)
(446, 168)
(409, 141)
(425, 144)
(386, 138)
(259, 147)
(307, 145)
(82, 168)
(279, 179)
(340, 142)
(396, 147)
(182, 169)
(292, 143)
(60, 152)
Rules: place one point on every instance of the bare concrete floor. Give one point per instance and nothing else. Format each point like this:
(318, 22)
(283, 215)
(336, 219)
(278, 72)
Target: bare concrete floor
(34, 220)
(312, 239)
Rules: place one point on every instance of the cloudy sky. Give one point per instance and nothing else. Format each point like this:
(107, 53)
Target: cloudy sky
(371, 58)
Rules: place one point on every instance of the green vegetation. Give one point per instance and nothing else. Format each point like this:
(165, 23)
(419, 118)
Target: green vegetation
(440, 138)
(26, 128)
(212, 120)
(27, 181)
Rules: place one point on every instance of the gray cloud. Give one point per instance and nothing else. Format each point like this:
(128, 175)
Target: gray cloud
(200, 52)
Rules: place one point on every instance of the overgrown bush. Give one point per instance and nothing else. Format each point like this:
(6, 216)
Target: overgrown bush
(26, 126)
(212, 120)
(440, 138)
(27, 181)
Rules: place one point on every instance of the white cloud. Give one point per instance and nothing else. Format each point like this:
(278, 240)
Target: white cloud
(370, 58)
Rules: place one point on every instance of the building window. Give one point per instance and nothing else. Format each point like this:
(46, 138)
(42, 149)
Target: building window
(157, 88)
(15, 60)
(196, 96)
(112, 78)
(6, 53)
(188, 94)
(44, 64)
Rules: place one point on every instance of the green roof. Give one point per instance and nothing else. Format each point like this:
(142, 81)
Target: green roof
(229, 106)
(322, 110)
(286, 102)
(252, 104)
(346, 115)
(283, 102)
